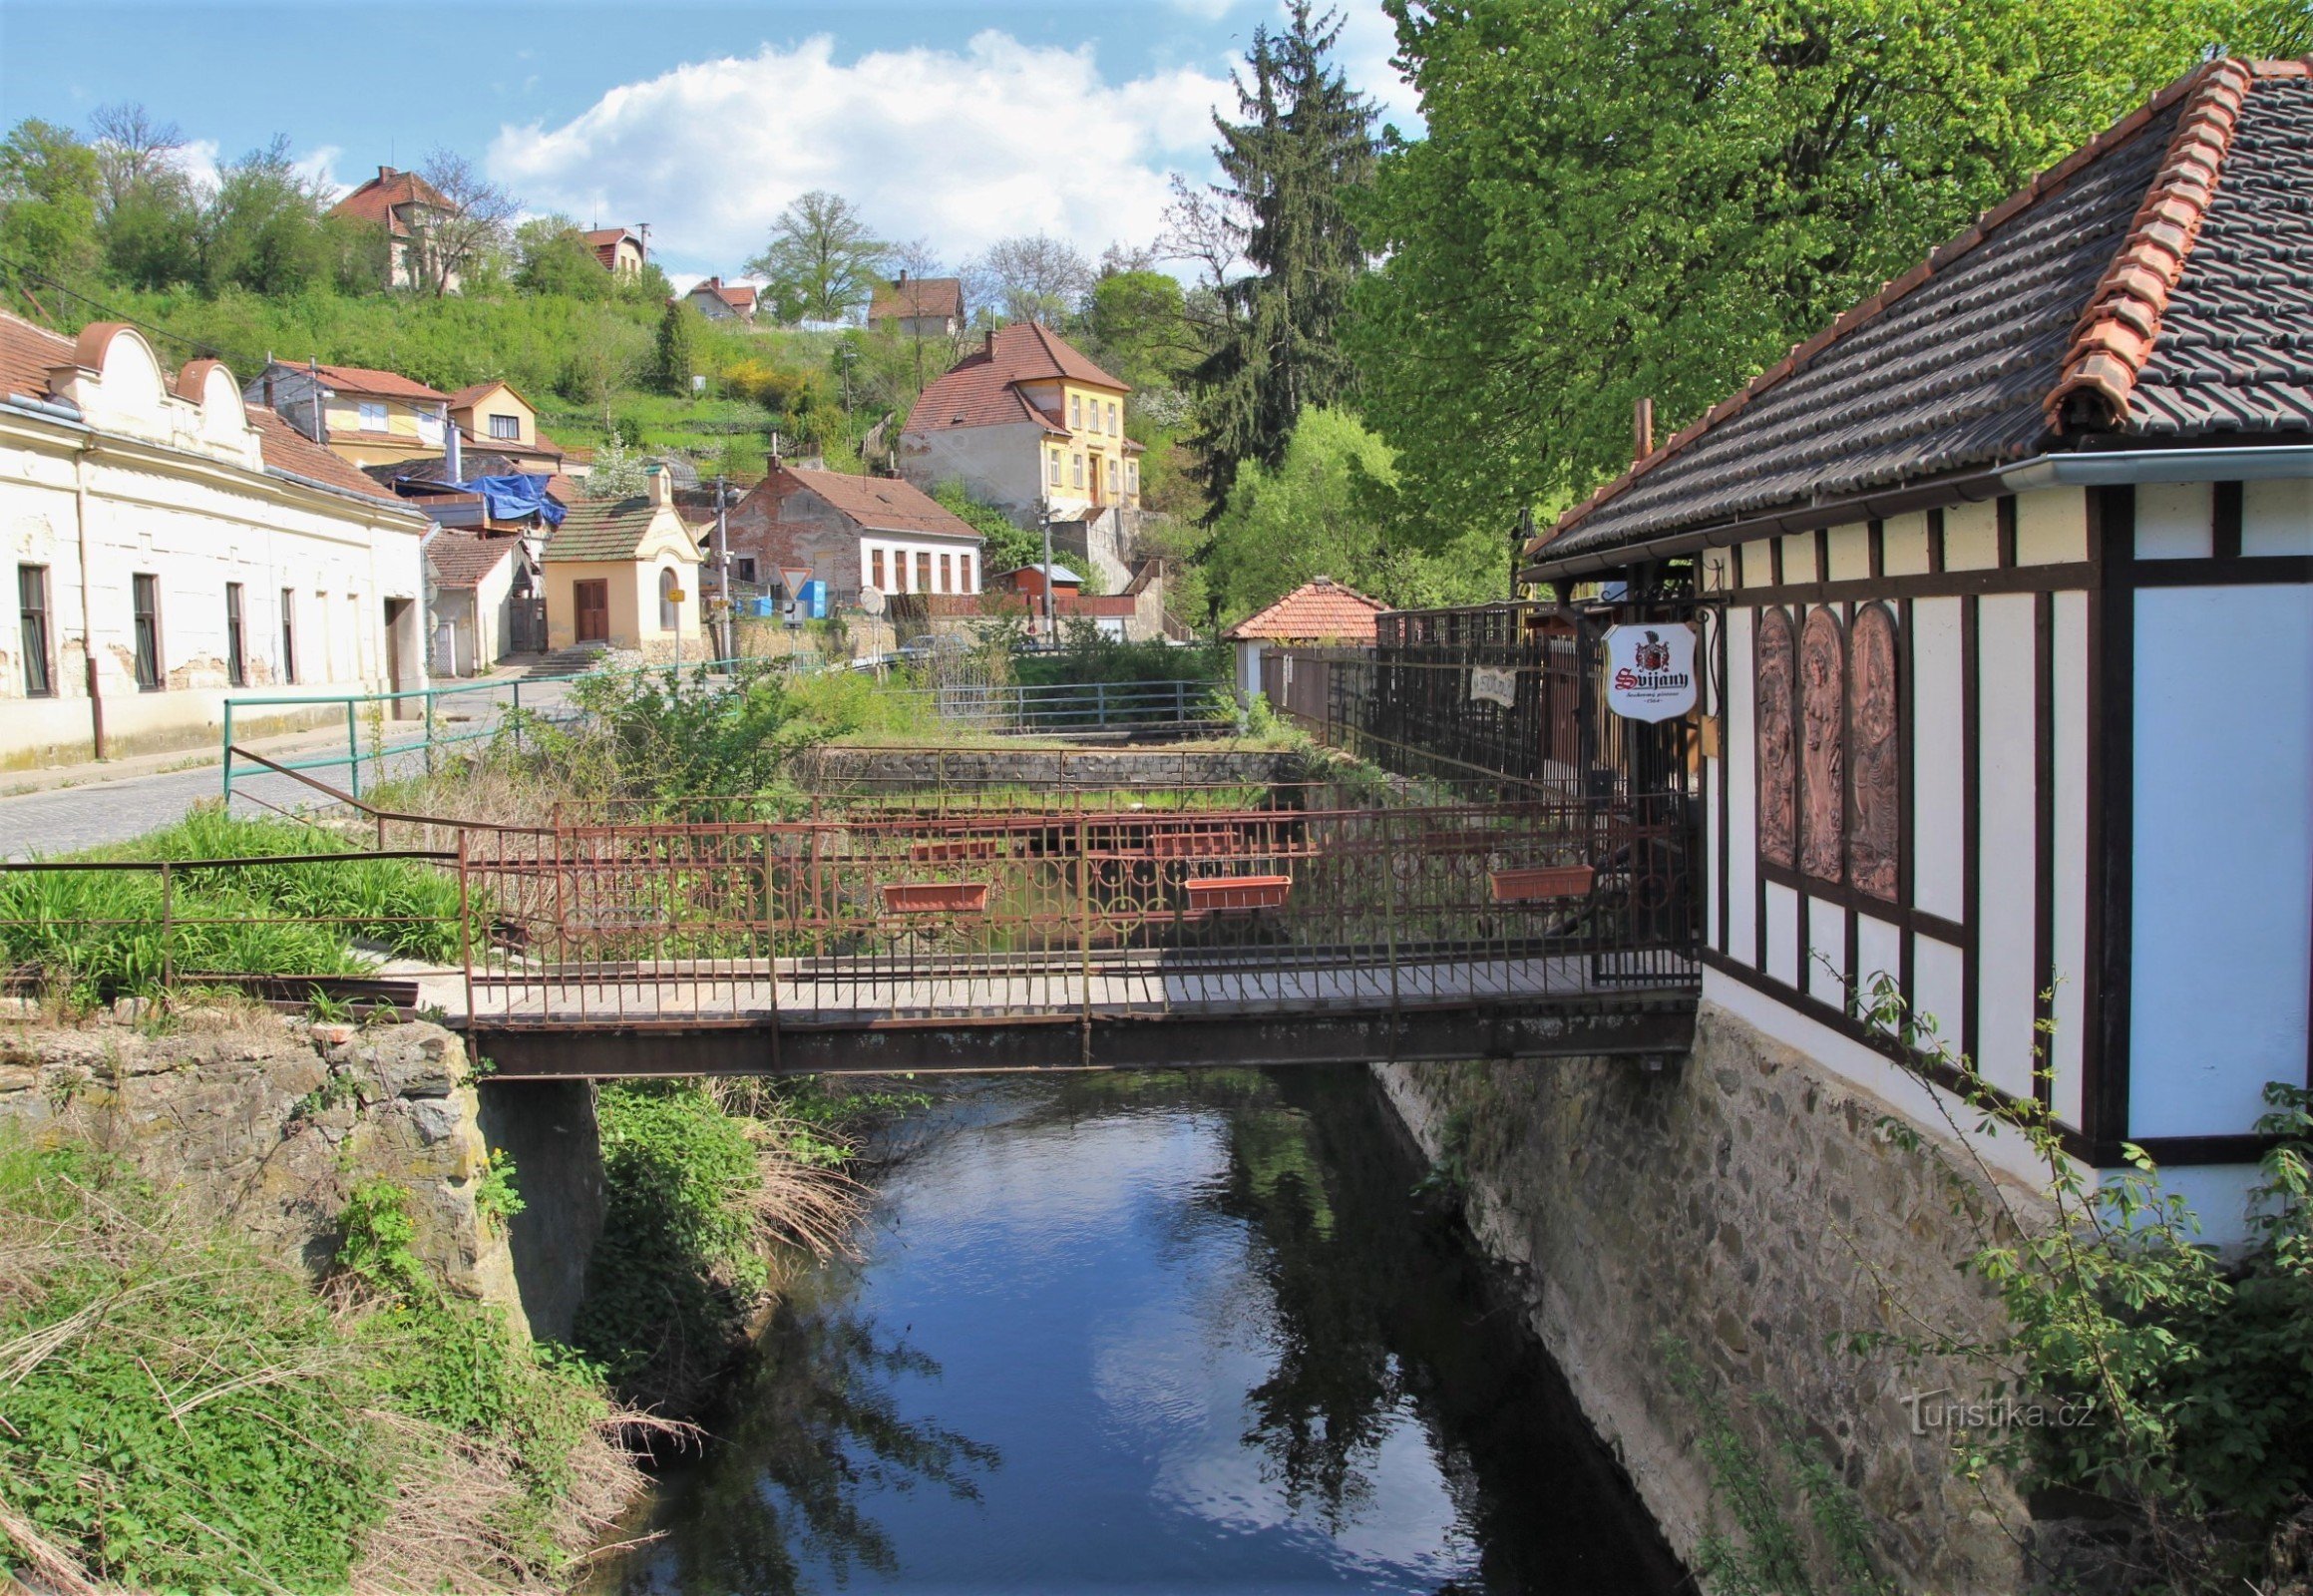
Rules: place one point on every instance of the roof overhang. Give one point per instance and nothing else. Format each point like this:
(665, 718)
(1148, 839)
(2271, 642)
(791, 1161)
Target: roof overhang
(2084, 469)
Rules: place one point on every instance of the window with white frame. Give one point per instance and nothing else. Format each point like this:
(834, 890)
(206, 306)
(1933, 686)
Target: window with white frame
(1132, 476)
(1077, 470)
(1075, 410)
(1112, 418)
(1055, 468)
(373, 416)
(1114, 479)
(507, 428)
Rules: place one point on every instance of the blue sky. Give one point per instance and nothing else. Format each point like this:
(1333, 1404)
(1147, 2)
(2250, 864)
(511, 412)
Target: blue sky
(953, 122)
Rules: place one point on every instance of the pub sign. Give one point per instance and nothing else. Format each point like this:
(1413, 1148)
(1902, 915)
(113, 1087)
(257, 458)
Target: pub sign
(1650, 671)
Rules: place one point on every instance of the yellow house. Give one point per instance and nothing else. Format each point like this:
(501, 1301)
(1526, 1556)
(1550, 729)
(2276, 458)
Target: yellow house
(364, 416)
(493, 419)
(1029, 424)
(625, 574)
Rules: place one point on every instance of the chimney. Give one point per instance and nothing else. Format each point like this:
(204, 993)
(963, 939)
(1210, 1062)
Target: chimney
(385, 174)
(661, 484)
(453, 448)
(1642, 430)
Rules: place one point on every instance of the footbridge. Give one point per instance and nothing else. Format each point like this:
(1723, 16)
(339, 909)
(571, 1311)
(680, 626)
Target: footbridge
(1247, 925)
(891, 940)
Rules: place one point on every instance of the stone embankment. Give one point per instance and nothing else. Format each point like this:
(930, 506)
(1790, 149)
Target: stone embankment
(1744, 1205)
(269, 1121)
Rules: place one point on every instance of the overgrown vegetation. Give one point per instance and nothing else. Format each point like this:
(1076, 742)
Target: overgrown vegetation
(183, 1414)
(2194, 1367)
(97, 934)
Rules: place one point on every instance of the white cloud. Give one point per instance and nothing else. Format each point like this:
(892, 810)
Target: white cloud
(1004, 138)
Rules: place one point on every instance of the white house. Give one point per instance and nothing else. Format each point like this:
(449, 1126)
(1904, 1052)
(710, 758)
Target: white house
(173, 546)
(2006, 588)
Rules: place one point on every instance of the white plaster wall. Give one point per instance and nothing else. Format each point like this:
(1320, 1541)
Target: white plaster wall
(197, 526)
(2277, 517)
(2051, 525)
(1939, 976)
(1938, 850)
(899, 553)
(1879, 952)
(1826, 952)
(2069, 953)
(1001, 465)
(1741, 792)
(2222, 853)
(2006, 983)
(1782, 933)
(1903, 544)
(2172, 521)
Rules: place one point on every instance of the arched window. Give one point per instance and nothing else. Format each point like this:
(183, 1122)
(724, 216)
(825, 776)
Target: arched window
(1822, 749)
(1778, 827)
(1874, 830)
(670, 611)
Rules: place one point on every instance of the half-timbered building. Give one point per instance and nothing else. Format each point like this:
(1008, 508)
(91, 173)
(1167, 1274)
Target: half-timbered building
(2006, 591)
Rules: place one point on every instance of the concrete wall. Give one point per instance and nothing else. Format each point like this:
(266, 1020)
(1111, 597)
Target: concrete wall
(1001, 465)
(549, 1129)
(1741, 1202)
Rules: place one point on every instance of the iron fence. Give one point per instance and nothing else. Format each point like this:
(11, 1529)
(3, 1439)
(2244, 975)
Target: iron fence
(1054, 914)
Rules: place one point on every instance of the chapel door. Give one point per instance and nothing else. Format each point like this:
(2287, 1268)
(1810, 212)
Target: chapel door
(593, 599)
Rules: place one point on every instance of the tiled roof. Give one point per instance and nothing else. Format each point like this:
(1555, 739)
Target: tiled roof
(738, 295)
(2065, 305)
(880, 503)
(980, 390)
(28, 352)
(368, 380)
(917, 296)
(383, 196)
(472, 394)
(462, 560)
(603, 528)
(1320, 610)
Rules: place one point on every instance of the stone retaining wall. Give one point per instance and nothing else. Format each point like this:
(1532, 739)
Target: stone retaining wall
(1045, 769)
(1742, 1202)
(270, 1121)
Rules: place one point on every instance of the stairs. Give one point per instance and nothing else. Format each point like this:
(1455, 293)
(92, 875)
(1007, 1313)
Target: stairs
(572, 662)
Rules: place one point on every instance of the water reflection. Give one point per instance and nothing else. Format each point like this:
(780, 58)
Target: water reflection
(1211, 1343)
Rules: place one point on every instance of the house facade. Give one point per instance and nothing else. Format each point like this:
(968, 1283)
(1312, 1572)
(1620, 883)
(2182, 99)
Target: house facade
(174, 547)
(718, 300)
(364, 416)
(852, 533)
(622, 252)
(2005, 587)
(474, 586)
(405, 208)
(1323, 614)
(495, 420)
(1029, 424)
(919, 307)
(625, 574)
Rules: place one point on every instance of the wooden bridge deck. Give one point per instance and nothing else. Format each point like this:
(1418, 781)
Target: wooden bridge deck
(1137, 1009)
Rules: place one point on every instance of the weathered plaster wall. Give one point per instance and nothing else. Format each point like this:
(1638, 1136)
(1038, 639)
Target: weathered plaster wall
(1742, 1202)
(270, 1121)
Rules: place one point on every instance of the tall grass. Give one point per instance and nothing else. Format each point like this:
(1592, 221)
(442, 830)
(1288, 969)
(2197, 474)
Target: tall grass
(179, 1414)
(97, 934)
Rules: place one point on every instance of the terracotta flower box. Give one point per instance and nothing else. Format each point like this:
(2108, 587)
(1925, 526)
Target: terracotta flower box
(1542, 883)
(935, 897)
(1208, 894)
(1206, 844)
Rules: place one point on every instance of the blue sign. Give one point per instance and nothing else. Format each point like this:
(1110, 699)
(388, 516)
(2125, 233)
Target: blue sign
(814, 597)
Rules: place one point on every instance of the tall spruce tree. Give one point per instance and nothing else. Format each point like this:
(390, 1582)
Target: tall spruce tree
(1291, 164)
(670, 366)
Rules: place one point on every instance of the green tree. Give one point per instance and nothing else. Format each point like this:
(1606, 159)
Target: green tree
(822, 262)
(1627, 198)
(671, 365)
(1327, 510)
(148, 212)
(48, 202)
(552, 257)
(1292, 164)
(1141, 329)
(1006, 544)
(262, 229)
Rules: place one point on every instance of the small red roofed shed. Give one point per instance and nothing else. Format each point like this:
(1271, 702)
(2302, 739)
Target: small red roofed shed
(1319, 613)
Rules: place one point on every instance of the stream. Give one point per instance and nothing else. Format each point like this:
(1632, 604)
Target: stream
(1173, 1333)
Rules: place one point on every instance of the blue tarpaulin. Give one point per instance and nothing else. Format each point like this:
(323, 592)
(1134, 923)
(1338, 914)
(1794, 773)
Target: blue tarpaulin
(511, 497)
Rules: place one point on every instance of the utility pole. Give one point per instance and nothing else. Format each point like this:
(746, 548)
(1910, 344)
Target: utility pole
(1052, 627)
(726, 631)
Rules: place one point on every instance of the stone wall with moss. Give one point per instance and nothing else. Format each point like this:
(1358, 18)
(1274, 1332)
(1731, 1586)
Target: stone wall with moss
(1744, 1204)
(269, 1120)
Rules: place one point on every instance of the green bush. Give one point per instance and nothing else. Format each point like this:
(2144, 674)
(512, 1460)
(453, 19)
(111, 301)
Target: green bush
(680, 1263)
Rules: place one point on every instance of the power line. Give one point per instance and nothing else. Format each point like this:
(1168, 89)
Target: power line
(199, 348)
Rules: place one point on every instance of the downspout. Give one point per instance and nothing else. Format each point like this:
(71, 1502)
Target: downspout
(80, 516)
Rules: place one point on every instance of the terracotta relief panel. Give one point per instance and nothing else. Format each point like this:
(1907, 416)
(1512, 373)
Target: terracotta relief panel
(1873, 842)
(1777, 824)
(1822, 749)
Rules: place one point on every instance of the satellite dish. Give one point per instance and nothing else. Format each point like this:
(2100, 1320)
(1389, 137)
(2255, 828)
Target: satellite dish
(872, 601)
